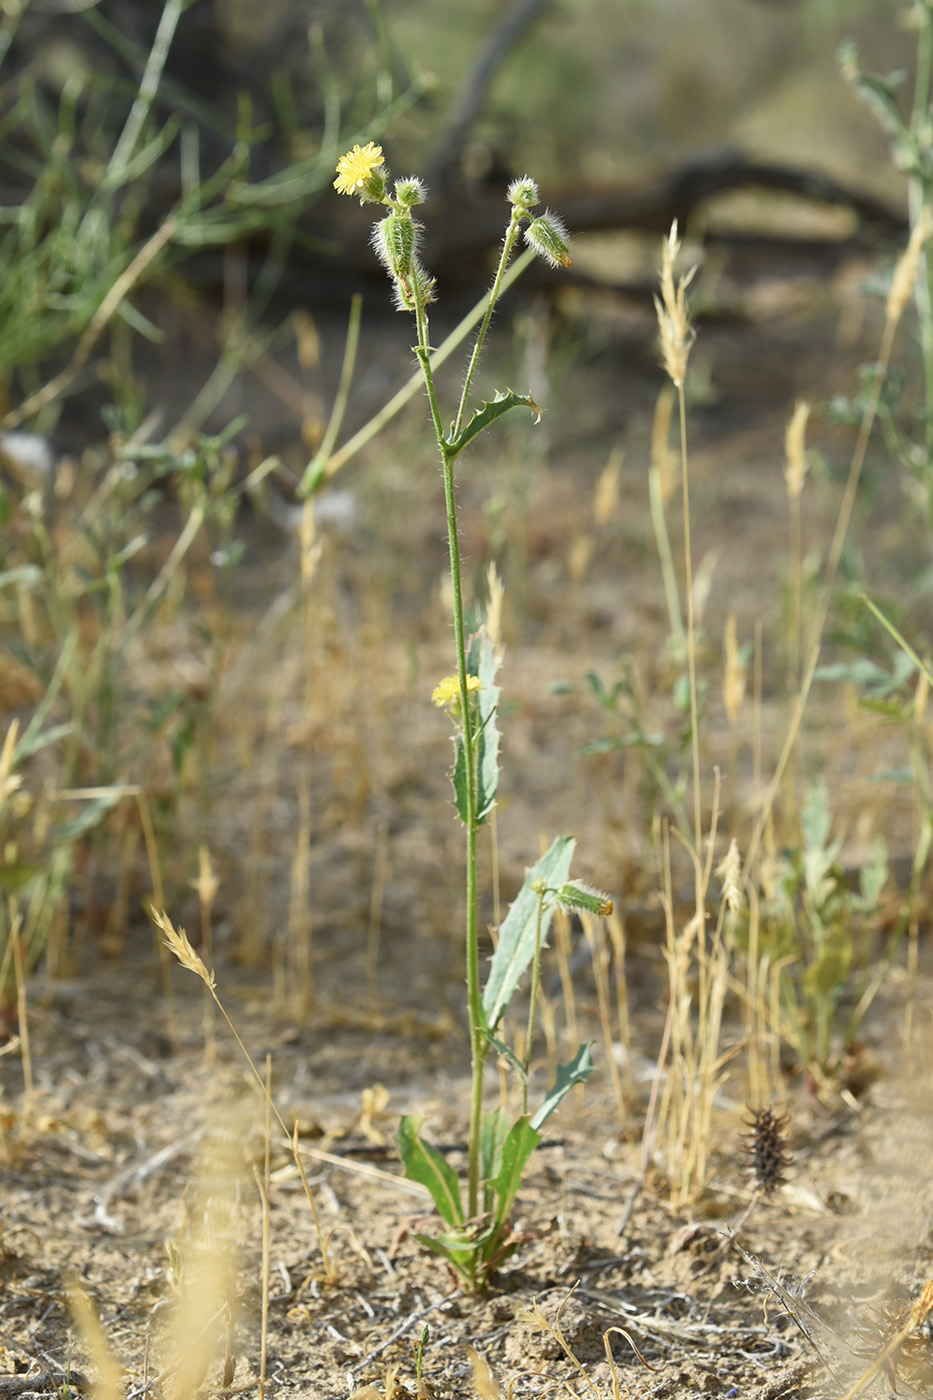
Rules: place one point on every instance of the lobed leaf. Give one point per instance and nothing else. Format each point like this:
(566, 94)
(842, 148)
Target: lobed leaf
(576, 1072)
(488, 413)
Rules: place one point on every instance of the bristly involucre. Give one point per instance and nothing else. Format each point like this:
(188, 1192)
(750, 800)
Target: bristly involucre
(766, 1148)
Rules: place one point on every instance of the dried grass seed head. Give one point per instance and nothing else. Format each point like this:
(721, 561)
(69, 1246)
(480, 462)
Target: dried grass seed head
(677, 334)
(729, 871)
(178, 942)
(795, 470)
(905, 273)
(733, 680)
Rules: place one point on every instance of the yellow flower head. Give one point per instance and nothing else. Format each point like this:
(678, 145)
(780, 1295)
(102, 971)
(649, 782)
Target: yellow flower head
(355, 168)
(448, 690)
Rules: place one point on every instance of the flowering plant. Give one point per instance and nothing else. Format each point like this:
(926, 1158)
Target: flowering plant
(477, 1234)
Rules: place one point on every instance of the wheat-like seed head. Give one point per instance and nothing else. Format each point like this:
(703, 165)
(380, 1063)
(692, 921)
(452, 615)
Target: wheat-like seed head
(733, 680)
(796, 469)
(178, 942)
(729, 871)
(677, 334)
(905, 272)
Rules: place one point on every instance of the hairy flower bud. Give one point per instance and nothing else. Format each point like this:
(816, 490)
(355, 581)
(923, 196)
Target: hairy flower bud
(523, 194)
(577, 894)
(395, 242)
(409, 192)
(550, 240)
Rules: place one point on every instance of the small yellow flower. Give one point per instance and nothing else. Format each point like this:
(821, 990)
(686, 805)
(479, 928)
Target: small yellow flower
(448, 690)
(355, 168)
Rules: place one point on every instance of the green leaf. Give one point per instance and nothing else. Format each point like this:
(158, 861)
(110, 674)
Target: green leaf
(423, 1163)
(17, 874)
(509, 1054)
(26, 576)
(90, 815)
(488, 413)
(482, 663)
(493, 1130)
(459, 779)
(824, 979)
(521, 1141)
(31, 744)
(516, 945)
(457, 1255)
(577, 1072)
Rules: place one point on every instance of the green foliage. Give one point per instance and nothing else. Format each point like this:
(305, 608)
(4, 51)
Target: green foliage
(665, 759)
(475, 1241)
(90, 228)
(487, 414)
(483, 664)
(523, 924)
(816, 929)
(476, 1246)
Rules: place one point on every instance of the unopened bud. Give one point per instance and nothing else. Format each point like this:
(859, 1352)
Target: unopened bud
(523, 194)
(395, 240)
(576, 894)
(409, 192)
(550, 240)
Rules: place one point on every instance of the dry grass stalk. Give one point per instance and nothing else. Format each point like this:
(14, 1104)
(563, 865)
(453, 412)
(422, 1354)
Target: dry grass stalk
(204, 1263)
(677, 337)
(662, 478)
(299, 907)
(178, 942)
(733, 693)
(109, 1381)
(698, 968)
(795, 472)
(606, 495)
(484, 1382)
(904, 278)
(206, 887)
(16, 941)
(601, 953)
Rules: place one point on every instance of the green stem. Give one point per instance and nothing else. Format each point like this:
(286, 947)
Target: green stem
(409, 388)
(533, 1002)
(508, 243)
(918, 195)
(479, 1046)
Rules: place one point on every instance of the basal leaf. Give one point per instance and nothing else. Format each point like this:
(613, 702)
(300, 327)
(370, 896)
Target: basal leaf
(495, 1126)
(521, 1141)
(423, 1163)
